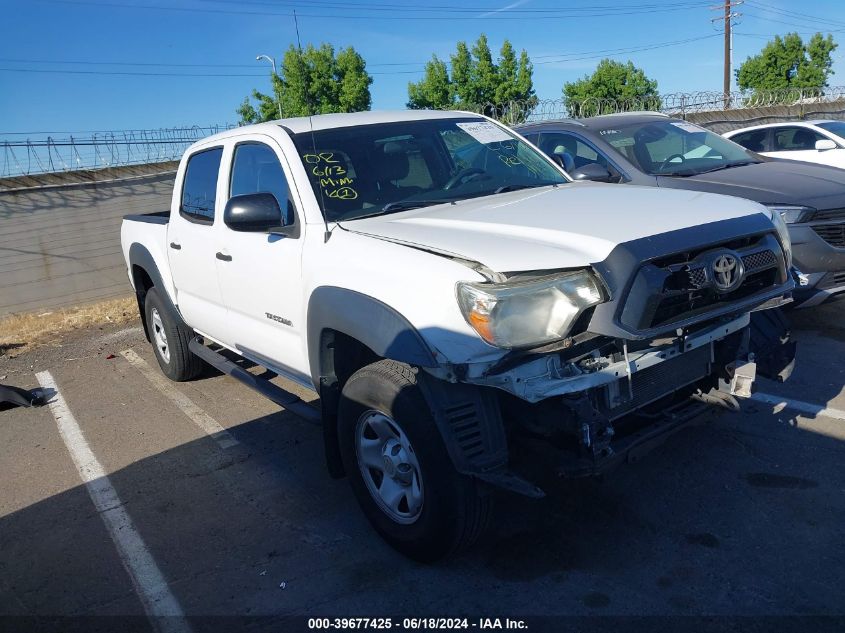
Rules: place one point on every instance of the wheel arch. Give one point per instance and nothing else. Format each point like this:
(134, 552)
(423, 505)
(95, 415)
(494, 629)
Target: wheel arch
(347, 330)
(145, 274)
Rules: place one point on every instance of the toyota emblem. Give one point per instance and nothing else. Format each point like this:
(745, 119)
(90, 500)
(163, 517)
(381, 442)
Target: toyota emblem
(727, 272)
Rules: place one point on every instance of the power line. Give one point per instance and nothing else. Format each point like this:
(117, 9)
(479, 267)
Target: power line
(548, 59)
(405, 8)
(793, 24)
(124, 72)
(561, 14)
(804, 17)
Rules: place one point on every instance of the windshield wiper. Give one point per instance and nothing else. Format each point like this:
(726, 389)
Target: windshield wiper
(401, 205)
(505, 188)
(404, 205)
(692, 172)
(740, 163)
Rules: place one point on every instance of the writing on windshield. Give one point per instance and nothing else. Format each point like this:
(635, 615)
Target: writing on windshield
(367, 170)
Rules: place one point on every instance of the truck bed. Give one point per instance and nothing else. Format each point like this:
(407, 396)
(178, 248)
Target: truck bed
(156, 217)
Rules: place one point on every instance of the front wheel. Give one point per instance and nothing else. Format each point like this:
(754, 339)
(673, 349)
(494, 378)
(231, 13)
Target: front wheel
(399, 468)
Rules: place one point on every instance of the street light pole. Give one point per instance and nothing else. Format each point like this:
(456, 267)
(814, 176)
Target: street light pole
(273, 64)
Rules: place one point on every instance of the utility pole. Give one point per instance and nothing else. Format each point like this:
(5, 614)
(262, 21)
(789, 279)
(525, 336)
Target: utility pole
(726, 85)
(728, 18)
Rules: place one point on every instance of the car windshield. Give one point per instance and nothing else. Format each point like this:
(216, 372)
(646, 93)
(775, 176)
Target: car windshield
(837, 127)
(375, 169)
(675, 148)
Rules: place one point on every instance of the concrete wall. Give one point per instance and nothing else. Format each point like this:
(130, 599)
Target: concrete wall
(60, 243)
(721, 121)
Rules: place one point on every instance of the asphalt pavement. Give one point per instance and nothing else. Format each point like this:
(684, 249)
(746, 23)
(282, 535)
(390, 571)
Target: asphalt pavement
(742, 516)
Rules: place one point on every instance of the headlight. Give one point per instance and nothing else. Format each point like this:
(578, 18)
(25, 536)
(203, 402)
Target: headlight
(528, 313)
(780, 222)
(791, 214)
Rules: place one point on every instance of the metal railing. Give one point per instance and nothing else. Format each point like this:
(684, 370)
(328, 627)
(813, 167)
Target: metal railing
(98, 150)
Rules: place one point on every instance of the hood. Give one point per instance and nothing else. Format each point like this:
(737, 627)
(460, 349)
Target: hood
(569, 226)
(772, 181)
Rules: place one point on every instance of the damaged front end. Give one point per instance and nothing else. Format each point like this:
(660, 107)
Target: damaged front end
(606, 399)
(658, 332)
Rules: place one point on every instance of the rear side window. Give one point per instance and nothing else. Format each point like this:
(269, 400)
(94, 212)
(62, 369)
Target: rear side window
(755, 140)
(794, 139)
(199, 190)
(256, 169)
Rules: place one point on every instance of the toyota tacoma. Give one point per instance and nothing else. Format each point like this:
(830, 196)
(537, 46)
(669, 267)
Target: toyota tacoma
(455, 301)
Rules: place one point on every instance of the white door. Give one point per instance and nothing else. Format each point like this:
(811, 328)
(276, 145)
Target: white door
(261, 276)
(192, 242)
(799, 143)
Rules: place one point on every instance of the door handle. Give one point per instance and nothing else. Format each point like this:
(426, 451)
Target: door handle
(175, 246)
(223, 258)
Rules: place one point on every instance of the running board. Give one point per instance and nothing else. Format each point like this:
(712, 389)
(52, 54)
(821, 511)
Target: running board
(272, 392)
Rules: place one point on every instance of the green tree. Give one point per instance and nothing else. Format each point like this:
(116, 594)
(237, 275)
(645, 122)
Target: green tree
(787, 62)
(611, 81)
(435, 90)
(477, 81)
(313, 81)
(246, 113)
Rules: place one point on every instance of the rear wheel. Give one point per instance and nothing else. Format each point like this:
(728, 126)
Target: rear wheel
(170, 340)
(399, 468)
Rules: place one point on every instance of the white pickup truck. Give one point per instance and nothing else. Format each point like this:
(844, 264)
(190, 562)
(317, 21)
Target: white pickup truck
(455, 300)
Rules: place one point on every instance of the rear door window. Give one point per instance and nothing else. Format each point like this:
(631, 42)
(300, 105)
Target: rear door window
(754, 140)
(795, 139)
(199, 189)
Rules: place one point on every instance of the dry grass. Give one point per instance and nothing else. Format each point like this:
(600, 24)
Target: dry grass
(22, 332)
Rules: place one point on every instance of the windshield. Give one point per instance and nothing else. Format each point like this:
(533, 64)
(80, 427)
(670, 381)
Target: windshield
(376, 169)
(675, 148)
(837, 127)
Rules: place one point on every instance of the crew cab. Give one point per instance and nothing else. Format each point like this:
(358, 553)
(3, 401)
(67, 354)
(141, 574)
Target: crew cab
(455, 300)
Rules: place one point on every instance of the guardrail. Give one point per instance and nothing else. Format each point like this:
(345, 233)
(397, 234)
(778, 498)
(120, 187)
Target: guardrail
(98, 150)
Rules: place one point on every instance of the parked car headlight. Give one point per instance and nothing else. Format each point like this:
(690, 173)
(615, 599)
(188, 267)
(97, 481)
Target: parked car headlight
(779, 219)
(528, 313)
(791, 214)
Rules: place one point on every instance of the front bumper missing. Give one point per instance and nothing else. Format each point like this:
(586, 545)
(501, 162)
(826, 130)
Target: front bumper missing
(549, 376)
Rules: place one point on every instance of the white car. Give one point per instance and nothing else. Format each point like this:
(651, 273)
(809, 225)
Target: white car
(821, 142)
(452, 297)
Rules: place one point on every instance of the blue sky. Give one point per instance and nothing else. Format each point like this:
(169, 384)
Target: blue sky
(86, 39)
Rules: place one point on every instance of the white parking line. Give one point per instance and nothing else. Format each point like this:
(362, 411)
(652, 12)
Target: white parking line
(159, 603)
(799, 405)
(197, 415)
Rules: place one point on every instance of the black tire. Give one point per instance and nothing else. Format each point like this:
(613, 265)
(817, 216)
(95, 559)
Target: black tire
(180, 364)
(454, 513)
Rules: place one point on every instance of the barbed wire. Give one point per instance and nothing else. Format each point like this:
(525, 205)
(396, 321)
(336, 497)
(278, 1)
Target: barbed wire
(132, 147)
(99, 149)
(677, 104)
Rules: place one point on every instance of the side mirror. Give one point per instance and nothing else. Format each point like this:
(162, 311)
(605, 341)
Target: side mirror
(591, 171)
(825, 144)
(255, 213)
